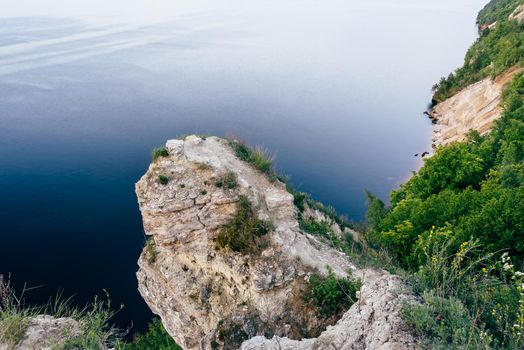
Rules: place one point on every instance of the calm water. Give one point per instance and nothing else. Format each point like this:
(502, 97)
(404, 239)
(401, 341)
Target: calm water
(335, 89)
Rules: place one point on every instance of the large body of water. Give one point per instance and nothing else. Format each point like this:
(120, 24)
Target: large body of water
(335, 89)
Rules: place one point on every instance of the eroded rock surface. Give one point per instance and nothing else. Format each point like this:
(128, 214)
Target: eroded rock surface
(474, 108)
(518, 14)
(208, 297)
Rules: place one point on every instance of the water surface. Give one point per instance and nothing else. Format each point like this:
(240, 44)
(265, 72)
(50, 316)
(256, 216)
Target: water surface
(335, 89)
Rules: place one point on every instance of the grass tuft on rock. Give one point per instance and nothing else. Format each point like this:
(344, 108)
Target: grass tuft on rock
(245, 232)
(257, 157)
(159, 152)
(228, 181)
(95, 331)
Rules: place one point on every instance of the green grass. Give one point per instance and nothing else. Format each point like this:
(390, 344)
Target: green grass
(12, 328)
(229, 181)
(245, 232)
(95, 333)
(259, 158)
(159, 152)
(322, 228)
(14, 314)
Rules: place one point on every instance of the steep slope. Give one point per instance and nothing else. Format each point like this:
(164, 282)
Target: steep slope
(469, 98)
(473, 108)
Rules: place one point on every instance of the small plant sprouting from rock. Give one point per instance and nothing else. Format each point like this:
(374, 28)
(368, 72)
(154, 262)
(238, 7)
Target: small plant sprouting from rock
(159, 152)
(333, 295)
(257, 157)
(163, 180)
(244, 233)
(229, 181)
(150, 250)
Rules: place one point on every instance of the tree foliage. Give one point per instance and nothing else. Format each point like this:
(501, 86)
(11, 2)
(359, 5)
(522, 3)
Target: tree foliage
(467, 194)
(497, 49)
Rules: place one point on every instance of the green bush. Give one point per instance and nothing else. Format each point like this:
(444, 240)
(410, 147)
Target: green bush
(333, 295)
(496, 51)
(474, 188)
(245, 231)
(163, 180)
(470, 300)
(449, 224)
(155, 337)
(444, 323)
(159, 152)
(496, 11)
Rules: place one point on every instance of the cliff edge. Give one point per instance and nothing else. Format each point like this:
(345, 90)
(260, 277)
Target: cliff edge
(212, 293)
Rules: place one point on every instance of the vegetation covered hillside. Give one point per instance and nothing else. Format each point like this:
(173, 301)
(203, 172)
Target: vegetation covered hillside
(496, 50)
(457, 226)
(495, 11)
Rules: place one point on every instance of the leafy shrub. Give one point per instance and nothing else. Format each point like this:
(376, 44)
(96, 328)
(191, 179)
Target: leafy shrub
(333, 295)
(470, 300)
(159, 152)
(476, 188)
(444, 323)
(163, 180)
(245, 230)
(155, 337)
(494, 52)
(497, 10)
(449, 224)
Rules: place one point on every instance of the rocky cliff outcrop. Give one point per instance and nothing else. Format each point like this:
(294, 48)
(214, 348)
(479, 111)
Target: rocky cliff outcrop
(474, 108)
(212, 297)
(518, 14)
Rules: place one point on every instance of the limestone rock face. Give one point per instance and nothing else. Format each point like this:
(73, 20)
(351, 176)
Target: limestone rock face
(210, 297)
(45, 333)
(474, 108)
